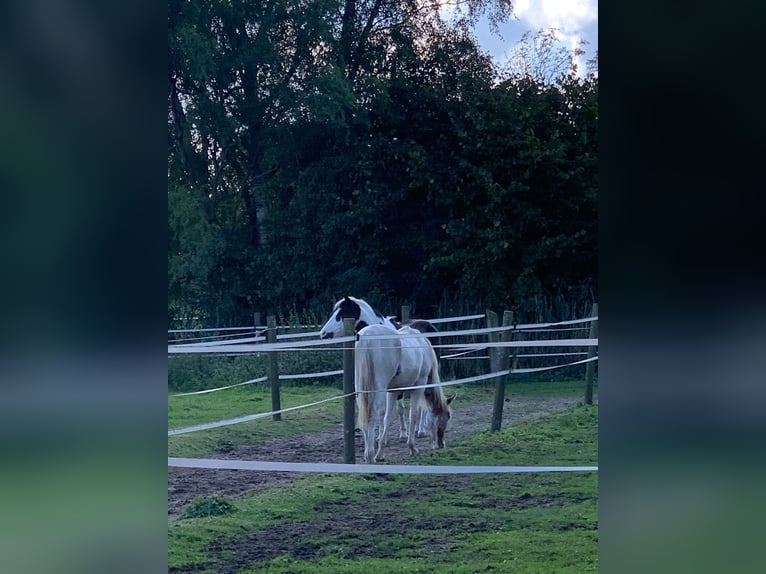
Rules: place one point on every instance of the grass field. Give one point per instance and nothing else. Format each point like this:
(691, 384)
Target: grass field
(332, 523)
(194, 409)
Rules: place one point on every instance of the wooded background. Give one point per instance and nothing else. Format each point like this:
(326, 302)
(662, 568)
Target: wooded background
(368, 147)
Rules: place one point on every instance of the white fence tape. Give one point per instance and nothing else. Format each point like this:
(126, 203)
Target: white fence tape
(455, 319)
(263, 379)
(548, 343)
(310, 375)
(250, 382)
(462, 356)
(241, 345)
(458, 355)
(540, 369)
(317, 345)
(558, 330)
(435, 321)
(213, 329)
(209, 338)
(247, 418)
(533, 355)
(263, 348)
(262, 465)
(221, 342)
(311, 335)
(251, 327)
(559, 323)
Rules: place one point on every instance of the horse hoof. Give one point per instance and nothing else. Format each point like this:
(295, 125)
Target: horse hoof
(380, 460)
(422, 435)
(402, 439)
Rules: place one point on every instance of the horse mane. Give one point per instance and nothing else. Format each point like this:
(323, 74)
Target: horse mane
(365, 306)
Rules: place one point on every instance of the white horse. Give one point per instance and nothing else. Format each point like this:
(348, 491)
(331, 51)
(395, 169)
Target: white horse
(386, 360)
(364, 315)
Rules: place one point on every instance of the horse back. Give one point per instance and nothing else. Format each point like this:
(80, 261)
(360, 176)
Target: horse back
(378, 349)
(417, 361)
(420, 325)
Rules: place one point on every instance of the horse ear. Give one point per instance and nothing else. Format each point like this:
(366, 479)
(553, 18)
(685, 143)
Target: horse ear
(450, 399)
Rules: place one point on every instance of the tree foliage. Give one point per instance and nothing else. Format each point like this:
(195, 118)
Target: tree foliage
(319, 148)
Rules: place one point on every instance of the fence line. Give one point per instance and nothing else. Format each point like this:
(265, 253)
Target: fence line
(435, 321)
(257, 327)
(250, 382)
(214, 345)
(311, 375)
(262, 465)
(454, 319)
(247, 418)
(320, 375)
(499, 337)
(210, 337)
(220, 342)
(248, 328)
(312, 345)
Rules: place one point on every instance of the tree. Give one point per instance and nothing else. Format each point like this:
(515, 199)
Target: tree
(368, 147)
(541, 57)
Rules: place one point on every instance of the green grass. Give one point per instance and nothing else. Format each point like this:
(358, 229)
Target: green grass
(251, 399)
(477, 393)
(247, 400)
(539, 522)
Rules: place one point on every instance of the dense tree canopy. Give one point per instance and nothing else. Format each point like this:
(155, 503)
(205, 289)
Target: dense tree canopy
(319, 148)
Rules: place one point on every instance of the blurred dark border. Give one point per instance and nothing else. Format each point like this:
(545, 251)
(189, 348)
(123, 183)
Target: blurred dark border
(84, 213)
(682, 277)
(83, 180)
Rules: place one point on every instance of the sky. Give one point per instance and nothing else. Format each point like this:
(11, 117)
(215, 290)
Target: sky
(574, 20)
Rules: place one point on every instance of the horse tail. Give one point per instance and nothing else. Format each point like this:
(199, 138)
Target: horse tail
(439, 399)
(365, 377)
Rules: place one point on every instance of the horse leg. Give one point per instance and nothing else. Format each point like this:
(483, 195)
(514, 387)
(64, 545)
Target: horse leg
(369, 444)
(373, 423)
(424, 422)
(378, 415)
(415, 398)
(402, 424)
(390, 407)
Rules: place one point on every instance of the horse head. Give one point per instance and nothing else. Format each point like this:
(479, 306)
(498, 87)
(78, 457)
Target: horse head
(441, 418)
(353, 308)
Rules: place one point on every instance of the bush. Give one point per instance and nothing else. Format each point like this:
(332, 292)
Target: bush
(202, 506)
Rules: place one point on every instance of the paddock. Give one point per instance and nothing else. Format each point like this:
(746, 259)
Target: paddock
(323, 448)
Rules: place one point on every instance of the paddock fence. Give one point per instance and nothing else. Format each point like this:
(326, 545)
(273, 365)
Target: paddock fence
(503, 345)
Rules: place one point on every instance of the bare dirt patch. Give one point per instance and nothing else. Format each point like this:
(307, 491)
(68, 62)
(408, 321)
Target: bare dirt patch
(385, 527)
(327, 446)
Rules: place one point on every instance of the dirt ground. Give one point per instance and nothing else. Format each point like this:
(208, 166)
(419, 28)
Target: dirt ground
(327, 446)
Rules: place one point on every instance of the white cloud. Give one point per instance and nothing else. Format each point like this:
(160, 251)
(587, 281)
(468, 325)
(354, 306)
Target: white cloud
(564, 14)
(569, 17)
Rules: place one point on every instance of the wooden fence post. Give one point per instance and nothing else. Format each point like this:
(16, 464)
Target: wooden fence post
(590, 367)
(349, 451)
(493, 338)
(502, 364)
(271, 337)
(405, 314)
